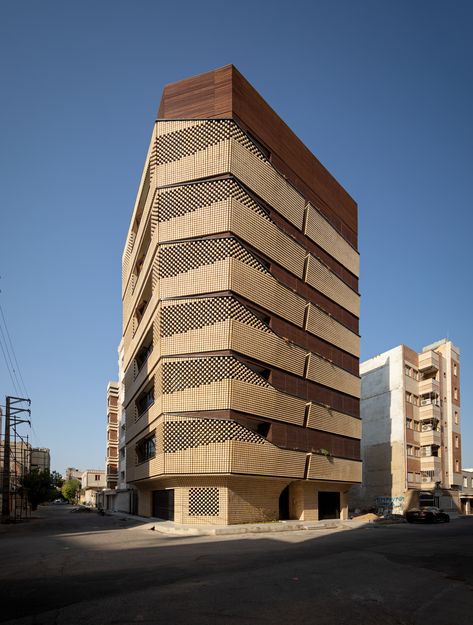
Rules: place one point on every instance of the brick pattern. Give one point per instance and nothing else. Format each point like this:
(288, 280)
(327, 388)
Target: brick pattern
(321, 232)
(179, 201)
(178, 143)
(187, 433)
(182, 257)
(183, 315)
(180, 374)
(204, 501)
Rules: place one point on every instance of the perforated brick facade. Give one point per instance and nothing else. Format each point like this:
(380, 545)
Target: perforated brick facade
(240, 318)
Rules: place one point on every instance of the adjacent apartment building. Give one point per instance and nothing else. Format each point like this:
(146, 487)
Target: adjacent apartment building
(411, 446)
(111, 465)
(240, 317)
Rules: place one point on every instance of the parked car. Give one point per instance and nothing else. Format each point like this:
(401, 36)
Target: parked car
(428, 514)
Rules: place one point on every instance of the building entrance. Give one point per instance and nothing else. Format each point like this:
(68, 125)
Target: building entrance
(329, 505)
(163, 504)
(284, 505)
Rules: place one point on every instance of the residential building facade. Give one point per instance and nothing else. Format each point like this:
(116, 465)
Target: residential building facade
(240, 317)
(72, 473)
(93, 482)
(118, 496)
(466, 492)
(411, 444)
(112, 435)
(41, 458)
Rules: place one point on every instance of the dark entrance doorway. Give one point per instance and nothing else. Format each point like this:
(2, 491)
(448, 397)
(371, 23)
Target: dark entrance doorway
(163, 504)
(284, 505)
(329, 505)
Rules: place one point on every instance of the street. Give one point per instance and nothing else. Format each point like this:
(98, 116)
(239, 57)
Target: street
(66, 568)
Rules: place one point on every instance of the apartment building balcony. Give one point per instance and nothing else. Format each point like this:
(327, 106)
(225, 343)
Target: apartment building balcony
(429, 410)
(431, 463)
(429, 362)
(430, 437)
(431, 385)
(429, 482)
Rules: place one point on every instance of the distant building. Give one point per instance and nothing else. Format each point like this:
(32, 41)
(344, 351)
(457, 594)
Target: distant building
(41, 459)
(121, 497)
(72, 474)
(112, 435)
(411, 440)
(466, 492)
(20, 465)
(93, 481)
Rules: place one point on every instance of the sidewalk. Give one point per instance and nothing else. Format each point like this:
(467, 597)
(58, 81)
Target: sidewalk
(179, 529)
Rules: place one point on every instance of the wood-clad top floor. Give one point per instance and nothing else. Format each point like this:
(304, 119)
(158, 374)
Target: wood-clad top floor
(225, 93)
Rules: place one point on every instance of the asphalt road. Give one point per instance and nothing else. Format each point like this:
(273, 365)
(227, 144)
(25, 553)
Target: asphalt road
(64, 568)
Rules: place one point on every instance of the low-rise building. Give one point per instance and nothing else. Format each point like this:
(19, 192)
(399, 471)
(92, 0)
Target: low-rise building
(466, 492)
(93, 481)
(72, 473)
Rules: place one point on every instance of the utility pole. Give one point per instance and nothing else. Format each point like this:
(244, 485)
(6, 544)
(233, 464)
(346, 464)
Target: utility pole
(12, 409)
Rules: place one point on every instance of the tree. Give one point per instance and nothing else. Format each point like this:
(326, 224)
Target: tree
(70, 489)
(56, 480)
(38, 487)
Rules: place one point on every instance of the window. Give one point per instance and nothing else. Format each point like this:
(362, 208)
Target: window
(144, 351)
(457, 418)
(465, 482)
(455, 393)
(146, 449)
(145, 400)
(409, 424)
(264, 373)
(457, 442)
(457, 466)
(455, 368)
(97, 478)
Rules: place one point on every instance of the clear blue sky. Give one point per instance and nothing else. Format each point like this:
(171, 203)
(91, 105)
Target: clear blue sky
(381, 92)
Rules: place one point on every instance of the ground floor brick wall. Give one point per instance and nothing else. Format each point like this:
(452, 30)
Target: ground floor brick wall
(226, 500)
(254, 500)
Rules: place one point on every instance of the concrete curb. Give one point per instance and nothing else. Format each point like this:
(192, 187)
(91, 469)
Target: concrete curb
(177, 529)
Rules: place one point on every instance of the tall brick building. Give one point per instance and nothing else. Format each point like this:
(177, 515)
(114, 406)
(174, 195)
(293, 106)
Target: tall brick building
(240, 317)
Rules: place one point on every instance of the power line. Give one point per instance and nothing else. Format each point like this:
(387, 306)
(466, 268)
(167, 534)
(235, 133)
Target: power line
(8, 369)
(19, 376)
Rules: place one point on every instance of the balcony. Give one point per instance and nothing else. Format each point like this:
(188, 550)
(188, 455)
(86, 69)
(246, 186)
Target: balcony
(430, 437)
(429, 362)
(428, 410)
(431, 463)
(431, 385)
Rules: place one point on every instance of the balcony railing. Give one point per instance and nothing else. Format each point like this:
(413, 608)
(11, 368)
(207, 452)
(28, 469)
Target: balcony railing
(429, 362)
(430, 385)
(430, 437)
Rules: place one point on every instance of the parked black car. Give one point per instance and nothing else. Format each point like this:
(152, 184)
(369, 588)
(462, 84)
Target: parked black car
(429, 514)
